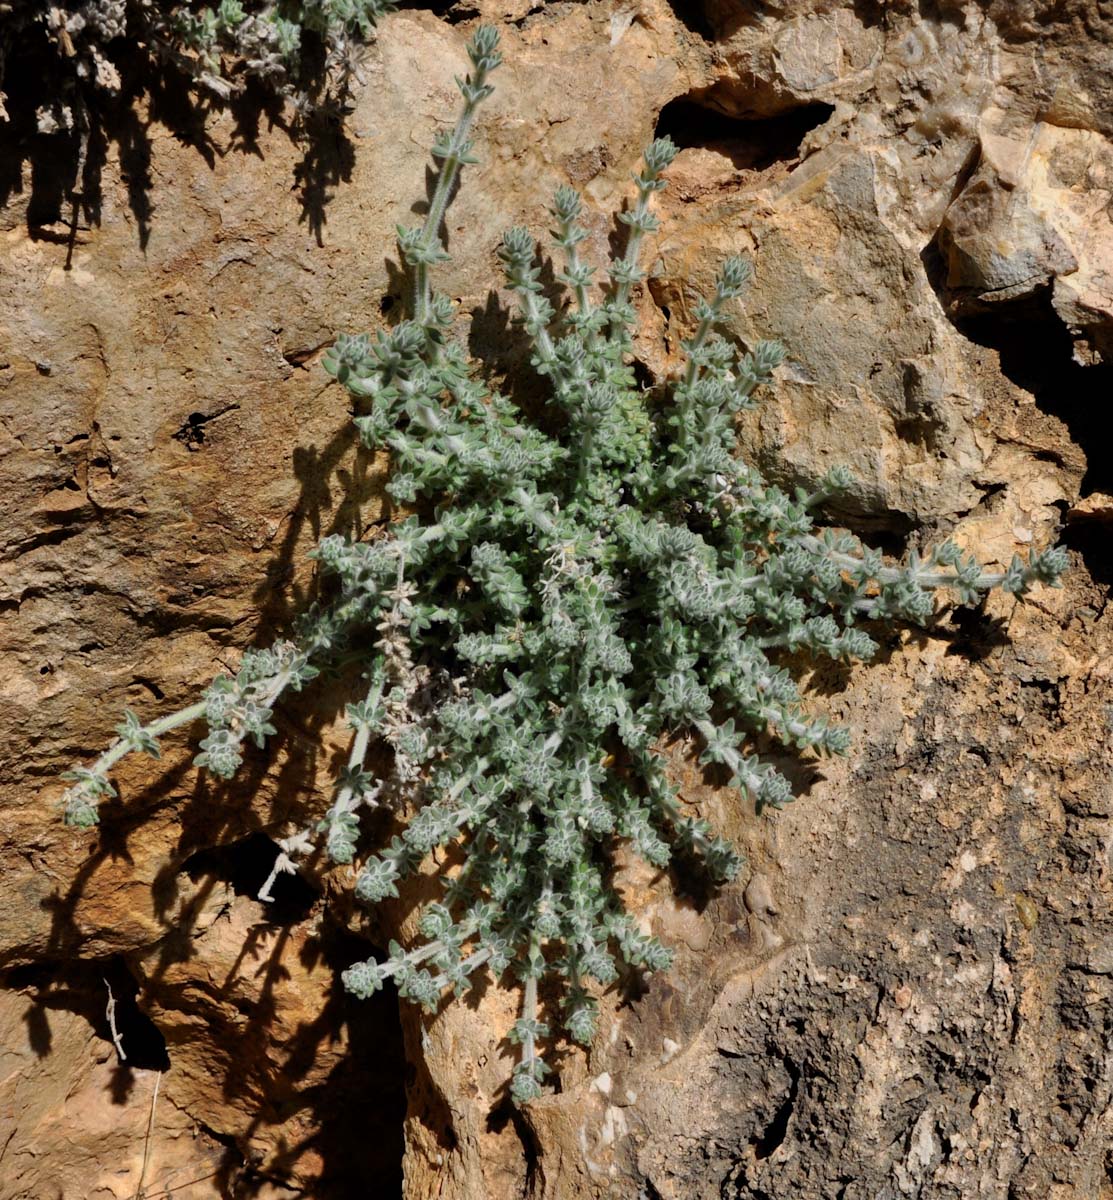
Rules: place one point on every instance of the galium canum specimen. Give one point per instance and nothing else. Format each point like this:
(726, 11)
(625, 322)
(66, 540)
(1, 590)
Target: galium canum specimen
(564, 595)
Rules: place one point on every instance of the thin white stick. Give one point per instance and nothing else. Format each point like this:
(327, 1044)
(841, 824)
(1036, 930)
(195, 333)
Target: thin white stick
(140, 1192)
(110, 1013)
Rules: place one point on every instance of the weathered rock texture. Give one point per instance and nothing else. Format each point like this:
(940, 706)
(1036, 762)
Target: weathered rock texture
(910, 990)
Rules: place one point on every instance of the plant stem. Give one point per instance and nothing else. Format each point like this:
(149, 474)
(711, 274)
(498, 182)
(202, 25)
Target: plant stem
(120, 748)
(451, 162)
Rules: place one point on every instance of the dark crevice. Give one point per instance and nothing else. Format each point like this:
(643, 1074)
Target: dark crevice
(359, 1111)
(750, 144)
(872, 13)
(50, 537)
(692, 15)
(1037, 353)
(449, 10)
(86, 988)
(777, 1129)
(245, 866)
(505, 1113)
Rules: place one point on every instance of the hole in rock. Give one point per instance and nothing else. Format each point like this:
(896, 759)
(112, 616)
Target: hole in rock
(151, 687)
(888, 531)
(643, 376)
(139, 1038)
(245, 865)
(1092, 540)
(751, 144)
(83, 988)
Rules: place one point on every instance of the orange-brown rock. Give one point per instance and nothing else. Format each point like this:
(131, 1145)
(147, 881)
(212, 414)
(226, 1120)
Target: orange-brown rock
(909, 991)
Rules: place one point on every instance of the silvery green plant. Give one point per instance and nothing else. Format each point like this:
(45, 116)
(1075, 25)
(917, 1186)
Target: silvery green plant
(565, 595)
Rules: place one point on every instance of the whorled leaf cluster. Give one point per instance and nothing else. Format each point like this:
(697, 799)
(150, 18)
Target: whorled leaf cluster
(565, 595)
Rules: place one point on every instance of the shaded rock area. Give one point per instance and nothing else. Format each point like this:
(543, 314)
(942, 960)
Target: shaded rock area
(909, 991)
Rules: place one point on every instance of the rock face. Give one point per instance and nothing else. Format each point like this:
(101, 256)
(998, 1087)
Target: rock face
(909, 992)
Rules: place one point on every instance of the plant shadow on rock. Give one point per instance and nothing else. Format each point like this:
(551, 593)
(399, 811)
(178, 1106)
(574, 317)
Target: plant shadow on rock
(66, 167)
(119, 823)
(279, 598)
(354, 1115)
(217, 845)
(91, 989)
(221, 841)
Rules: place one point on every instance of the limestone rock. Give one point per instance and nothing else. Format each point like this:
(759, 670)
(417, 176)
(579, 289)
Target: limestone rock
(906, 994)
